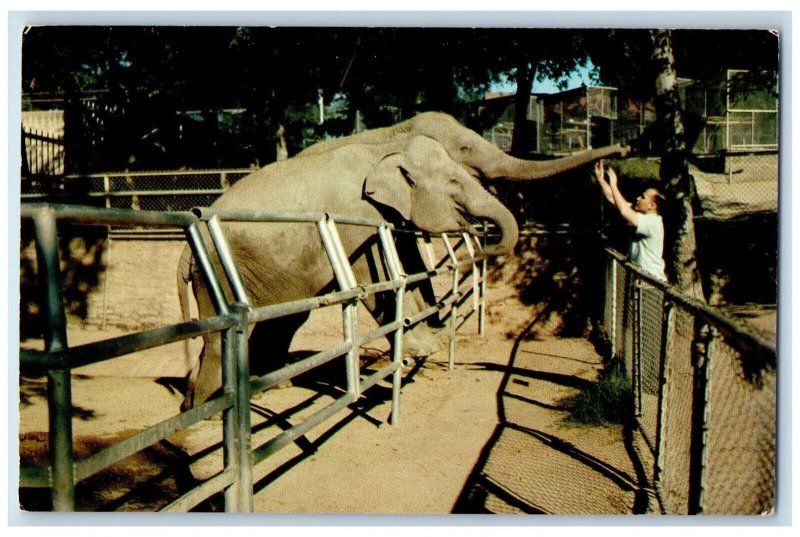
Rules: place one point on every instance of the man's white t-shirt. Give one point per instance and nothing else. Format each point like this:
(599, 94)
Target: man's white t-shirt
(647, 246)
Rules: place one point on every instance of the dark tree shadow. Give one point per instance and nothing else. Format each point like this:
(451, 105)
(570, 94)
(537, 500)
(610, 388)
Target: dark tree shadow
(82, 252)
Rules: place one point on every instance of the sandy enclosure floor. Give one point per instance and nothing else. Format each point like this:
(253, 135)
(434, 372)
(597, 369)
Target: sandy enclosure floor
(490, 436)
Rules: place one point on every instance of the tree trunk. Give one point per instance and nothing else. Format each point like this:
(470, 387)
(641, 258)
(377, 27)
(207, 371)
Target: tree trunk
(521, 141)
(277, 115)
(680, 244)
(281, 149)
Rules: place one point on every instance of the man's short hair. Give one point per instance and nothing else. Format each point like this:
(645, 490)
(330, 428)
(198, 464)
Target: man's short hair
(658, 198)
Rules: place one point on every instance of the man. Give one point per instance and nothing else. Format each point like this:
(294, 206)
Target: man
(647, 245)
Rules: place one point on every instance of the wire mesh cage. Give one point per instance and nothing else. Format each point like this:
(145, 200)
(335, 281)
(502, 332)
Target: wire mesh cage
(577, 119)
(704, 397)
(740, 449)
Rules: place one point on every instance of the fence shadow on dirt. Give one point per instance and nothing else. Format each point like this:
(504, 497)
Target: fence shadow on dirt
(534, 465)
(327, 381)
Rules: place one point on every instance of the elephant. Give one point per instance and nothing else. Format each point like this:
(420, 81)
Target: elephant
(425, 171)
(479, 157)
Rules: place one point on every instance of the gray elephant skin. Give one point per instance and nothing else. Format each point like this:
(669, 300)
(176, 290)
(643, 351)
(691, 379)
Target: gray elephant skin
(426, 172)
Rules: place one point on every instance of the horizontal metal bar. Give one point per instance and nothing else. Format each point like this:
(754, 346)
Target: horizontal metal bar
(203, 491)
(466, 317)
(379, 332)
(700, 309)
(381, 287)
(35, 135)
(751, 111)
(357, 221)
(379, 375)
(275, 444)
(78, 214)
(424, 314)
(170, 173)
(272, 311)
(419, 276)
(166, 234)
(298, 368)
(253, 215)
(145, 193)
(141, 440)
(106, 349)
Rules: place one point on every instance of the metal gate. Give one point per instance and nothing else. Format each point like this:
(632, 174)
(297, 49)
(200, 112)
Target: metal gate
(232, 320)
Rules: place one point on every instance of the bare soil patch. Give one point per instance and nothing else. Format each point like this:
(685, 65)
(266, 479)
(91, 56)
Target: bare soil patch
(455, 429)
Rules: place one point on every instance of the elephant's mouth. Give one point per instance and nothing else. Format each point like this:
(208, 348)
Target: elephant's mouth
(475, 223)
(469, 222)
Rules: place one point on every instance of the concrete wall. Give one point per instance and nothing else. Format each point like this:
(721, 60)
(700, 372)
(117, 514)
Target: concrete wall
(127, 284)
(138, 288)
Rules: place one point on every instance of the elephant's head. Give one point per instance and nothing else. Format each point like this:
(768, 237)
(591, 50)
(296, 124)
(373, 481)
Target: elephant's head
(427, 187)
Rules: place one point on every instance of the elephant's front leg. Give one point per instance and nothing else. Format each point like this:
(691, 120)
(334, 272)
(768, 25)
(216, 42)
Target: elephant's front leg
(268, 350)
(427, 336)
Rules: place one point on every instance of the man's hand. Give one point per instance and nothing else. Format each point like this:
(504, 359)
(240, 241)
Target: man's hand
(612, 177)
(599, 170)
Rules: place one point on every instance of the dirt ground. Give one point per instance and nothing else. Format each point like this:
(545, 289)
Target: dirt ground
(490, 436)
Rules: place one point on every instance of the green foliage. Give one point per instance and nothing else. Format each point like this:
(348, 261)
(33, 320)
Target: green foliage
(642, 169)
(384, 74)
(609, 400)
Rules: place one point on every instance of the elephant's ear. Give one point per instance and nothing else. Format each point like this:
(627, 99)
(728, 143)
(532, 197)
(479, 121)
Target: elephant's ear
(388, 183)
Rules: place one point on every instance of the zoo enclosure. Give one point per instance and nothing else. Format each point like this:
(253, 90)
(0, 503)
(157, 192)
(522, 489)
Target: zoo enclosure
(704, 395)
(234, 316)
(174, 190)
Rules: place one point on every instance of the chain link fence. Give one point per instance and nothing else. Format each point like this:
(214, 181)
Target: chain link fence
(704, 396)
(150, 191)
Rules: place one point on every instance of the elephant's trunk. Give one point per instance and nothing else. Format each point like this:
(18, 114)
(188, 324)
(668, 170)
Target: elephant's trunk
(507, 167)
(509, 231)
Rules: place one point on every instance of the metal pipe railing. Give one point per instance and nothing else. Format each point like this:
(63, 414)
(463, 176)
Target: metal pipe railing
(58, 359)
(235, 315)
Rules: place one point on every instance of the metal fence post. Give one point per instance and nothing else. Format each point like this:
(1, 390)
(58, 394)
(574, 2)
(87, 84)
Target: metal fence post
(396, 272)
(704, 335)
(227, 260)
(637, 345)
(482, 305)
(236, 419)
(203, 259)
(454, 304)
(613, 306)
(473, 270)
(666, 331)
(346, 280)
(59, 387)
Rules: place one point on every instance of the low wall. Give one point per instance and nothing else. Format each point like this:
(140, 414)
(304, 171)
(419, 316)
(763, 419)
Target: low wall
(139, 285)
(115, 283)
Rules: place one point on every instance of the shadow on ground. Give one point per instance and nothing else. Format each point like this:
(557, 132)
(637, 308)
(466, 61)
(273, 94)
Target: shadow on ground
(537, 461)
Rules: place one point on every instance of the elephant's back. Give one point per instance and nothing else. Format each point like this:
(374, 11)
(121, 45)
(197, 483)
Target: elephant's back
(314, 183)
